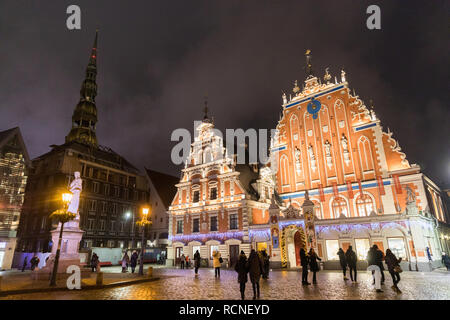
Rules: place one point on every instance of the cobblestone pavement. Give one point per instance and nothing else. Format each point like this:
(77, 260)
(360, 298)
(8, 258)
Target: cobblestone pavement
(282, 285)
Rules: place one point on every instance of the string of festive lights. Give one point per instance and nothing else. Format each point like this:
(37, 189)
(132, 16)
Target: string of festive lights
(261, 234)
(203, 237)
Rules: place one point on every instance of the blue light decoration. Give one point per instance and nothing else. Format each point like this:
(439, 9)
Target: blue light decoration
(313, 107)
(259, 233)
(283, 224)
(203, 237)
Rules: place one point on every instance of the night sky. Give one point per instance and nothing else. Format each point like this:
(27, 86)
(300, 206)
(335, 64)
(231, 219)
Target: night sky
(158, 59)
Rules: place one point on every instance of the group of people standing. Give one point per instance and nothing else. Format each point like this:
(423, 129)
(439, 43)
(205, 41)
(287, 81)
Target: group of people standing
(309, 260)
(256, 265)
(34, 262)
(127, 261)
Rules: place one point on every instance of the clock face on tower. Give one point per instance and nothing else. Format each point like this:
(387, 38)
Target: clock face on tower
(314, 107)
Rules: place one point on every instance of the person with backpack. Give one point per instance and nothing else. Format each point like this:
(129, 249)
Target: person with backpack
(217, 263)
(255, 268)
(394, 268)
(343, 262)
(352, 259)
(313, 264)
(241, 268)
(304, 261)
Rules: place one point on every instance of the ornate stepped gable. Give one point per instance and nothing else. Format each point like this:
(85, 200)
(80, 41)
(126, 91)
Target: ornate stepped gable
(328, 135)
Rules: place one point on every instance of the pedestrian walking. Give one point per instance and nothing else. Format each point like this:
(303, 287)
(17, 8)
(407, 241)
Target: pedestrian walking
(182, 261)
(25, 262)
(352, 260)
(373, 260)
(125, 262)
(34, 262)
(266, 264)
(313, 264)
(304, 261)
(94, 262)
(255, 269)
(241, 268)
(133, 261)
(343, 262)
(196, 261)
(394, 268)
(429, 255)
(217, 262)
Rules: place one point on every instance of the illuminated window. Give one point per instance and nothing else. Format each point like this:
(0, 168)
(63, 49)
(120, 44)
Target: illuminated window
(364, 205)
(397, 246)
(339, 207)
(260, 246)
(332, 249)
(362, 247)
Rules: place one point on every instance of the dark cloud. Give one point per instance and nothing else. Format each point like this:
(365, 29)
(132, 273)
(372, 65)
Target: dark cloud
(157, 59)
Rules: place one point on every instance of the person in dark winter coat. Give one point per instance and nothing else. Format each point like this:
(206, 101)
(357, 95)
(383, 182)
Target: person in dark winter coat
(343, 262)
(182, 261)
(94, 262)
(25, 262)
(392, 262)
(351, 258)
(375, 258)
(304, 261)
(34, 262)
(255, 268)
(446, 261)
(266, 264)
(241, 268)
(196, 261)
(313, 264)
(133, 261)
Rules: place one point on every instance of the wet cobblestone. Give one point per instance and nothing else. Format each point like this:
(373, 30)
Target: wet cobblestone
(282, 285)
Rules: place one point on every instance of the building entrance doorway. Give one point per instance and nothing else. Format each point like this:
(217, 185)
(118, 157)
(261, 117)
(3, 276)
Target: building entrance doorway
(234, 254)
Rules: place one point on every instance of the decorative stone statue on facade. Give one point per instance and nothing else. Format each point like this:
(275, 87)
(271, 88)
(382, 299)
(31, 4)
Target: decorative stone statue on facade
(298, 164)
(327, 147)
(345, 152)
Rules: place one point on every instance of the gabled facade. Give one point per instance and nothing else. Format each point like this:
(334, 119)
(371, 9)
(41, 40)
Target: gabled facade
(14, 166)
(216, 201)
(363, 188)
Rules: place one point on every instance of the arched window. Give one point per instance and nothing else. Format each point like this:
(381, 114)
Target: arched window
(365, 154)
(317, 209)
(364, 205)
(339, 207)
(207, 155)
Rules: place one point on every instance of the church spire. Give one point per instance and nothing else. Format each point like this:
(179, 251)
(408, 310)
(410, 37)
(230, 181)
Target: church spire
(205, 110)
(84, 118)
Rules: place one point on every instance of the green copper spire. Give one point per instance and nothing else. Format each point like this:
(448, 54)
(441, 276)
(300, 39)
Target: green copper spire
(84, 118)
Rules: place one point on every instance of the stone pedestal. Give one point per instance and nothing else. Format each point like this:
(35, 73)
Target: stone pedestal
(69, 255)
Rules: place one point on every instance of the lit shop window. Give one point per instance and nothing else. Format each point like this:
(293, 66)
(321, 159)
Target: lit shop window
(2, 245)
(332, 249)
(364, 205)
(339, 207)
(362, 247)
(211, 251)
(397, 246)
(261, 246)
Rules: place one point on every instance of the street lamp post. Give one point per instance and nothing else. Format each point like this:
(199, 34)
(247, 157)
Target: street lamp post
(127, 216)
(62, 216)
(143, 222)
